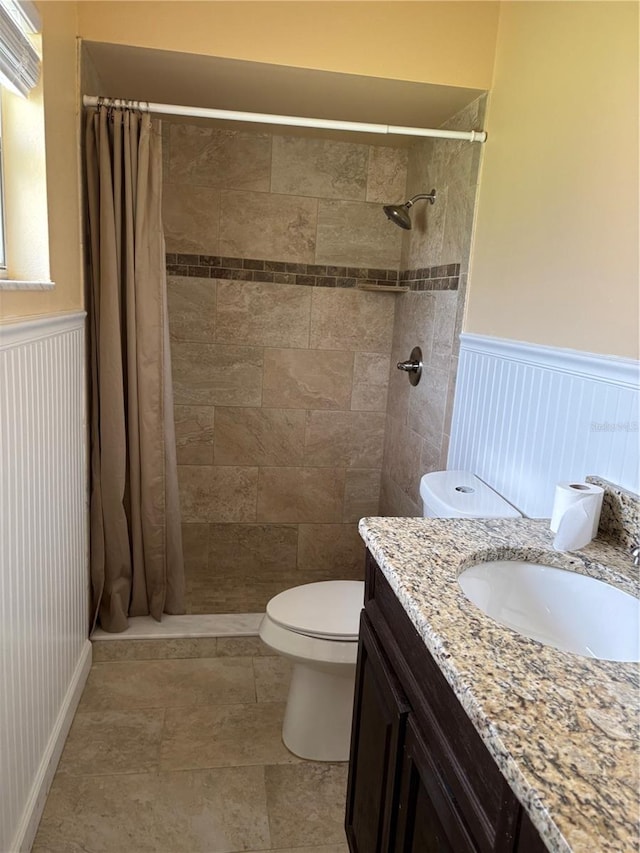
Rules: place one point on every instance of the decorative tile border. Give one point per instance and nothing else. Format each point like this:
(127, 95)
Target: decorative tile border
(444, 277)
(310, 275)
(279, 272)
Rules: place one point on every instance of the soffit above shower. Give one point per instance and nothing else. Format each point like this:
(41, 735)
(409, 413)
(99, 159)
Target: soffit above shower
(189, 79)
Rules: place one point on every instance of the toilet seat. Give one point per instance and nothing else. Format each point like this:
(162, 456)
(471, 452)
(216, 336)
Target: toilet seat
(312, 651)
(327, 610)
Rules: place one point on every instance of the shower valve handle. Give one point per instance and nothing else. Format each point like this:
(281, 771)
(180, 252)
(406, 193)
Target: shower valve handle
(412, 366)
(409, 366)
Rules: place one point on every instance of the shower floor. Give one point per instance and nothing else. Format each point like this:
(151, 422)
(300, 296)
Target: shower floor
(170, 753)
(191, 625)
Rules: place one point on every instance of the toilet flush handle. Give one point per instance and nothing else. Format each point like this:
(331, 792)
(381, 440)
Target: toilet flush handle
(413, 366)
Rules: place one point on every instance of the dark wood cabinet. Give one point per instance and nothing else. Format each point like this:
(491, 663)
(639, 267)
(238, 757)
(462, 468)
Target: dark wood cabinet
(420, 778)
(428, 817)
(380, 715)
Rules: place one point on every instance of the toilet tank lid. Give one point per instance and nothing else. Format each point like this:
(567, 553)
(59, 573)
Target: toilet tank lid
(327, 609)
(461, 494)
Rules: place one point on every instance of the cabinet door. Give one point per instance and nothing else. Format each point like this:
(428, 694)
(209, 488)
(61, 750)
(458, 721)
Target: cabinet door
(529, 840)
(429, 821)
(379, 714)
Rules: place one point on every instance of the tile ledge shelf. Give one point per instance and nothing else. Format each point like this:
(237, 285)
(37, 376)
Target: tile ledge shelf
(382, 288)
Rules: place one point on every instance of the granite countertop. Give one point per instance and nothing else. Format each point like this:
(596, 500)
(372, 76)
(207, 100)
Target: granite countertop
(562, 728)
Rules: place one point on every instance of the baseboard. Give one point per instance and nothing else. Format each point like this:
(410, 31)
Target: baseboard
(28, 826)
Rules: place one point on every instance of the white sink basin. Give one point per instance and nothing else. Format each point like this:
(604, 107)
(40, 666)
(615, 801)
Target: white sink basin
(556, 607)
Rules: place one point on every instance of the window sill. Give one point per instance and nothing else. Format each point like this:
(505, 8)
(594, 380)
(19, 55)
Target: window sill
(14, 284)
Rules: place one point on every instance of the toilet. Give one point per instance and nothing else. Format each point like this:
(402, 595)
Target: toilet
(316, 627)
(459, 494)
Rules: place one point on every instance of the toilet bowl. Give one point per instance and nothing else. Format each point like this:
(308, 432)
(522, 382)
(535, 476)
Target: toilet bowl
(316, 627)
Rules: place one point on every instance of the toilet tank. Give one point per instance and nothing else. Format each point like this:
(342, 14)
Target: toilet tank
(460, 494)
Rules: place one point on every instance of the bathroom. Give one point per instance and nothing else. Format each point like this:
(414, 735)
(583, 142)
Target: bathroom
(541, 249)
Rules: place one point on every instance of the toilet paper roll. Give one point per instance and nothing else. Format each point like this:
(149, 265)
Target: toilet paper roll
(568, 495)
(574, 530)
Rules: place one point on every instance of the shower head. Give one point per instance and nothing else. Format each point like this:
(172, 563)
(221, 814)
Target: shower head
(399, 213)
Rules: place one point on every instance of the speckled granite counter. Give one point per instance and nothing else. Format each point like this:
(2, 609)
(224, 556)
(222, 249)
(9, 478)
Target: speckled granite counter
(562, 728)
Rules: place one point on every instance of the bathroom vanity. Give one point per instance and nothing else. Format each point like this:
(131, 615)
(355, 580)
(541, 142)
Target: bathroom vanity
(418, 764)
(468, 736)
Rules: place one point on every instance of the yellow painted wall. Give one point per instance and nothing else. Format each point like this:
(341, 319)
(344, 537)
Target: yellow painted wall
(434, 42)
(437, 42)
(555, 254)
(63, 175)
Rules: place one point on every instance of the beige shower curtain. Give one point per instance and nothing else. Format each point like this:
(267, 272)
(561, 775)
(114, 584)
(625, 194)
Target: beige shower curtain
(136, 548)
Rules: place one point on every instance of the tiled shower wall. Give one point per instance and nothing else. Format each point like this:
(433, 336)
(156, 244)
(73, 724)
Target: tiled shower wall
(280, 384)
(419, 418)
(282, 198)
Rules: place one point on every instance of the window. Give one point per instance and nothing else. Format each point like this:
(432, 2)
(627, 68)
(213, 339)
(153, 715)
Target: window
(3, 263)
(24, 251)
(19, 60)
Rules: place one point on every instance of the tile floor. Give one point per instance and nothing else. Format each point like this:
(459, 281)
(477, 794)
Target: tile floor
(176, 748)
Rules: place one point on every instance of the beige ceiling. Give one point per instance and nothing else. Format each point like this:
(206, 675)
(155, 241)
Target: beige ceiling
(203, 81)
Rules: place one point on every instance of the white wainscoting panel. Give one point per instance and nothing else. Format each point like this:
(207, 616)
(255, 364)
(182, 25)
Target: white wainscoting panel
(526, 417)
(44, 652)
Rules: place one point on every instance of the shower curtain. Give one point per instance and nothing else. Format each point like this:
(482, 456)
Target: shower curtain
(136, 548)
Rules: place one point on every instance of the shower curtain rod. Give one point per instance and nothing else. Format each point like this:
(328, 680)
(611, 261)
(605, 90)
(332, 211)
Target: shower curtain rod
(292, 121)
